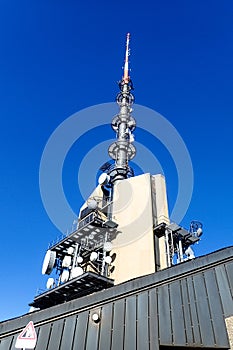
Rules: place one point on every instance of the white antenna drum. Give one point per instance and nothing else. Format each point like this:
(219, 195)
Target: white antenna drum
(50, 283)
(108, 259)
(93, 256)
(49, 262)
(65, 276)
(107, 246)
(79, 259)
(70, 250)
(77, 271)
(66, 262)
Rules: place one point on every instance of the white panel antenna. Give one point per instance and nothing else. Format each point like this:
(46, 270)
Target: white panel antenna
(50, 283)
(93, 256)
(65, 276)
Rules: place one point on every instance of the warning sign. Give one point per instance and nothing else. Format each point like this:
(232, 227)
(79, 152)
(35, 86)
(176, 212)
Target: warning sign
(27, 338)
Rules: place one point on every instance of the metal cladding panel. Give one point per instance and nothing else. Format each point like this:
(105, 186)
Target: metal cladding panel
(216, 310)
(79, 342)
(142, 321)
(130, 323)
(225, 291)
(118, 325)
(43, 335)
(68, 333)
(105, 327)
(153, 319)
(193, 312)
(177, 314)
(164, 310)
(229, 271)
(188, 325)
(56, 335)
(5, 344)
(92, 334)
(203, 311)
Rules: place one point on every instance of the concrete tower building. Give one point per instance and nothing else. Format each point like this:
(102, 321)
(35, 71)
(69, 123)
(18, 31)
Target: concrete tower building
(126, 277)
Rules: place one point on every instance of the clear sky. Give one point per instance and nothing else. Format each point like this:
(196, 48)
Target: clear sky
(58, 57)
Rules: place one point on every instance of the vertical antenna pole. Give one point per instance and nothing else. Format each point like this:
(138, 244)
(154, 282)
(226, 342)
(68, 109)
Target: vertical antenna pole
(126, 66)
(123, 150)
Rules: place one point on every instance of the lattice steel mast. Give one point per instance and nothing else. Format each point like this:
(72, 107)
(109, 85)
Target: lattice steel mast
(123, 124)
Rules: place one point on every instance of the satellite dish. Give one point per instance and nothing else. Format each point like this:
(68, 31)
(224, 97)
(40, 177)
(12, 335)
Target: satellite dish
(108, 259)
(50, 283)
(70, 250)
(93, 256)
(107, 246)
(65, 276)
(79, 259)
(66, 262)
(92, 204)
(49, 262)
(104, 179)
(77, 271)
(199, 232)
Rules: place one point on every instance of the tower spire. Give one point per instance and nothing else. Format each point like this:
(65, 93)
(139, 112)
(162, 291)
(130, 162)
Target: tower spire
(126, 77)
(123, 124)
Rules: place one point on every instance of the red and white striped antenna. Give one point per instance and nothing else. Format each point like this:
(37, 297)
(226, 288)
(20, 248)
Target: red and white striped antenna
(126, 77)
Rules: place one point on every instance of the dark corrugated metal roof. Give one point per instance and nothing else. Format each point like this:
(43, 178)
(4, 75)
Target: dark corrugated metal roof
(185, 305)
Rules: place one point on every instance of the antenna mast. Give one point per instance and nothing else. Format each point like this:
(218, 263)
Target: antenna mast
(123, 124)
(126, 66)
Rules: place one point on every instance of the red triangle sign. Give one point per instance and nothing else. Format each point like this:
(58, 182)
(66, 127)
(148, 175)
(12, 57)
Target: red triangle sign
(27, 338)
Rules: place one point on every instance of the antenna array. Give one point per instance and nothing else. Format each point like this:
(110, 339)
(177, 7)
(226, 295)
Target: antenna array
(123, 124)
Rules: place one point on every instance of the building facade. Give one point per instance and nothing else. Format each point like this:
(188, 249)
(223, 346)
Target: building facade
(187, 305)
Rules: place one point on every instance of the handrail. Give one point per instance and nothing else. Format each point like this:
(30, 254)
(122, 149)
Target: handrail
(79, 225)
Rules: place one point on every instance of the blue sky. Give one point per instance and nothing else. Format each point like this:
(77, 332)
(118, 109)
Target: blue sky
(58, 57)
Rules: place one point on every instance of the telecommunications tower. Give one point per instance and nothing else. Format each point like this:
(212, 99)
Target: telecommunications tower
(123, 229)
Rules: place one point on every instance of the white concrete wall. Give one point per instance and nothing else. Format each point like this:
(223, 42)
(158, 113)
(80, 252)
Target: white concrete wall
(132, 210)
